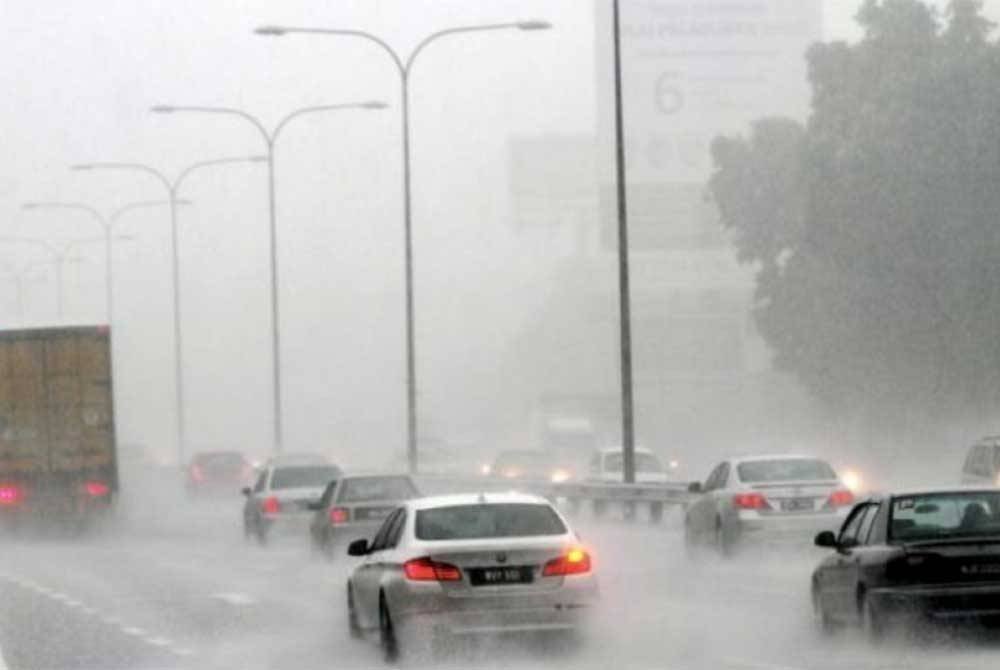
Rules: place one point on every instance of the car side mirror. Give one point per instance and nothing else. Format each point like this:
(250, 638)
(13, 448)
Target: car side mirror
(358, 548)
(246, 491)
(694, 487)
(826, 539)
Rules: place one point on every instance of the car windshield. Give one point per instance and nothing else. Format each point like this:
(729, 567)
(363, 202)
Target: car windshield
(472, 522)
(785, 470)
(303, 476)
(945, 515)
(643, 463)
(365, 489)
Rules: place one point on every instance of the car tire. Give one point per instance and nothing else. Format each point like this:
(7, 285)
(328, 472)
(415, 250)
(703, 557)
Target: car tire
(388, 641)
(825, 624)
(353, 627)
(724, 542)
(872, 623)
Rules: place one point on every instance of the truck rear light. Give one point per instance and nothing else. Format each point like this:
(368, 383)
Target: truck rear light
(573, 562)
(841, 498)
(9, 494)
(271, 505)
(750, 501)
(428, 570)
(96, 489)
(339, 515)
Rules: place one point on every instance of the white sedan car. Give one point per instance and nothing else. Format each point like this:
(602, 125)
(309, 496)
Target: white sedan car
(465, 565)
(766, 497)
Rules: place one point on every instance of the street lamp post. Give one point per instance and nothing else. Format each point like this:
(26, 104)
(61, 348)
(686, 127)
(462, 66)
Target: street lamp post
(405, 67)
(60, 256)
(172, 187)
(270, 137)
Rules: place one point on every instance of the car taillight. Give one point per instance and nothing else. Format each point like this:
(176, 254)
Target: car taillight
(750, 501)
(196, 473)
(96, 489)
(270, 505)
(573, 562)
(841, 498)
(339, 515)
(428, 570)
(9, 494)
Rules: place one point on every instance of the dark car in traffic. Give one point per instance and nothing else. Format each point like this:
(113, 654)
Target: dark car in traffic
(218, 472)
(354, 506)
(906, 559)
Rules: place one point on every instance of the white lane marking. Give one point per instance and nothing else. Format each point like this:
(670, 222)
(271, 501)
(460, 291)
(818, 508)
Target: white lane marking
(133, 630)
(181, 651)
(235, 599)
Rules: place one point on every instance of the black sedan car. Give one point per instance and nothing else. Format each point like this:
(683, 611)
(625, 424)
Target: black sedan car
(908, 558)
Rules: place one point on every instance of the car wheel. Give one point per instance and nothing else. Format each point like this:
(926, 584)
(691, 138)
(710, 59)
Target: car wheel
(354, 628)
(872, 622)
(724, 543)
(387, 632)
(824, 622)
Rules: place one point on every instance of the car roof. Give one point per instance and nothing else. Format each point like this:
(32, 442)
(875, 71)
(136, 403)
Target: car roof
(755, 458)
(372, 475)
(939, 490)
(486, 497)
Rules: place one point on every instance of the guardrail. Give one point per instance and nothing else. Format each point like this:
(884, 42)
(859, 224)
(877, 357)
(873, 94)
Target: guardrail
(600, 495)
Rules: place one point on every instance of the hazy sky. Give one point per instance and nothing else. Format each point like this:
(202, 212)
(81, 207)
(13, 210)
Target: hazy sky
(79, 80)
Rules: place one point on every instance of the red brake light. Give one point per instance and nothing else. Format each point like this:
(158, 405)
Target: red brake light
(573, 562)
(196, 473)
(750, 501)
(271, 505)
(9, 494)
(841, 498)
(96, 489)
(428, 570)
(339, 515)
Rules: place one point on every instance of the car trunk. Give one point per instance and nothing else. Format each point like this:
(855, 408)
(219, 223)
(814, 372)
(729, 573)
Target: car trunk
(796, 497)
(502, 567)
(296, 500)
(958, 561)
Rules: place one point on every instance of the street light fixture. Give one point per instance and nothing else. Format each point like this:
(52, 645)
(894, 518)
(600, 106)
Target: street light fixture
(172, 187)
(270, 138)
(404, 67)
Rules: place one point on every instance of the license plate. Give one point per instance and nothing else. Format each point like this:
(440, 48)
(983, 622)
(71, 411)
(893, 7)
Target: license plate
(796, 504)
(372, 513)
(494, 576)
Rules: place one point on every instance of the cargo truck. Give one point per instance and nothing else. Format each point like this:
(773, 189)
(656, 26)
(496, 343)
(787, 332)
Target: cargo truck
(57, 438)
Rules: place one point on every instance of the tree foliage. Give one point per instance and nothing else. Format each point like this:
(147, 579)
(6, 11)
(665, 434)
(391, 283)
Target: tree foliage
(876, 225)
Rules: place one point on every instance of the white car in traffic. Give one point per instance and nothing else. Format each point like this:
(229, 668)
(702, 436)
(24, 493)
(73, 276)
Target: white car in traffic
(456, 566)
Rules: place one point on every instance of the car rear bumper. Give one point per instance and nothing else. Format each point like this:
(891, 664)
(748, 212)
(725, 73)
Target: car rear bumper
(941, 601)
(426, 608)
(792, 527)
(287, 524)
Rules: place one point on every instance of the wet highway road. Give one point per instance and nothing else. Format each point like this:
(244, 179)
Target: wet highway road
(177, 587)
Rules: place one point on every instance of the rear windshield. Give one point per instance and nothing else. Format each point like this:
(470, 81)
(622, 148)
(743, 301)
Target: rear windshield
(785, 470)
(945, 515)
(643, 463)
(471, 522)
(295, 476)
(365, 489)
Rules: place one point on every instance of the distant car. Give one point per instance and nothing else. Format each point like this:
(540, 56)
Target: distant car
(218, 472)
(280, 498)
(469, 565)
(908, 558)
(765, 497)
(606, 465)
(533, 464)
(982, 463)
(354, 506)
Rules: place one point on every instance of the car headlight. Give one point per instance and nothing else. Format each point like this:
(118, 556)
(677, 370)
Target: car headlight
(560, 476)
(852, 480)
(486, 469)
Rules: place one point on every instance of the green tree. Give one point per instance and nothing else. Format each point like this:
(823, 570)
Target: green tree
(876, 225)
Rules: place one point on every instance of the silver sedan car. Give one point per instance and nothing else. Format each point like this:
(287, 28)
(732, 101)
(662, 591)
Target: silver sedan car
(768, 497)
(455, 566)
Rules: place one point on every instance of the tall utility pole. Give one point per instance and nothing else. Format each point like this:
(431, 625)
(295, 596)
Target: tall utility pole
(172, 186)
(404, 68)
(270, 137)
(624, 294)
